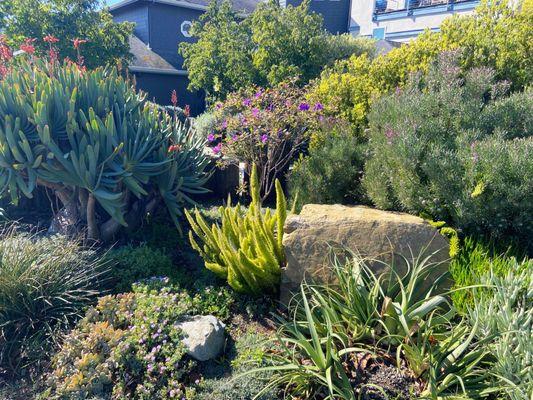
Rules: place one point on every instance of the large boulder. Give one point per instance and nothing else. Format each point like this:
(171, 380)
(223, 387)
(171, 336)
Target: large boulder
(203, 336)
(310, 237)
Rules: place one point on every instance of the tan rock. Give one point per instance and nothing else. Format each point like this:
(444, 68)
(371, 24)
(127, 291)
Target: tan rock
(311, 236)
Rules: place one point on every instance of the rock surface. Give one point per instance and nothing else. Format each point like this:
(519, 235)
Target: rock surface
(310, 236)
(203, 336)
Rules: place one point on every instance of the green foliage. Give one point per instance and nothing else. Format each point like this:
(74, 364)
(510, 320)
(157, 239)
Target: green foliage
(434, 152)
(44, 285)
(250, 352)
(504, 310)
(109, 156)
(369, 317)
(246, 248)
(107, 41)
(474, 260)
(265, 127)
(497, 35)
(132, 264)
(330, 173)
(269, 46)
(127, 346)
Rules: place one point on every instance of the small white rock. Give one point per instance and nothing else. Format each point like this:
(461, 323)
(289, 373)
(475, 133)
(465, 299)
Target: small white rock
(203, 336)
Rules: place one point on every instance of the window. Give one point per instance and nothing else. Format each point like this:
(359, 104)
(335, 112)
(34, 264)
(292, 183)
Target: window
(185, 28)
(378, 33)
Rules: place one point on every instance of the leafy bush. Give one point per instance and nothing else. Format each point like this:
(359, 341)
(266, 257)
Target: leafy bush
(339, 339)
(497, 35)
(331, 171)
(246, 249)
(78, 133)
(504, 310)
(271, 45)
(44, 285)
(468, 268)
(266, 127)
(433, 151)
(132, 264)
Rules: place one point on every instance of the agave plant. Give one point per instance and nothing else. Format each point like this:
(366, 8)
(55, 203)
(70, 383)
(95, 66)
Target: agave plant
(96, 144)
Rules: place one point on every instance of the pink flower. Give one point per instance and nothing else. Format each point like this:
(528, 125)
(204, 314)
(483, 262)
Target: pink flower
(211, 137)
(264, 138)
(247, 102)
(255, 112)
(217, 149)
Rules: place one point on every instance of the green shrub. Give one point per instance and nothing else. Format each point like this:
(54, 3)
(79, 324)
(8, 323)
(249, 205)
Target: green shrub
(331, 172)
(79, 133)
(474, 260)
(250, 353)
(504, 309)
(433, 152)
(44, 285)
(335, 336)
(132, 264)
(245, 249)
(497, 35)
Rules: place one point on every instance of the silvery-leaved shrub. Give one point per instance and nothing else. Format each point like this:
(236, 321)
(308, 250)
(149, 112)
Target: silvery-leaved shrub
(436, 148)
(504, 310)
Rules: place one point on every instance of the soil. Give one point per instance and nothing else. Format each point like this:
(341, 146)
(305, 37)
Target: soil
(377, 378)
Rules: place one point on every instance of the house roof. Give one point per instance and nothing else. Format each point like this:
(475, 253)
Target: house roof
(245, 6)
(145, 60)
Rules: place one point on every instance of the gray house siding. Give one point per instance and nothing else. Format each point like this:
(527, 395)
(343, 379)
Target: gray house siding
(336, 13)
(165, 30)
(138, 14)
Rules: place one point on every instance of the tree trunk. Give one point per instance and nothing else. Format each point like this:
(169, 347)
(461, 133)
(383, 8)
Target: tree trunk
(65, 221)
(92, 225)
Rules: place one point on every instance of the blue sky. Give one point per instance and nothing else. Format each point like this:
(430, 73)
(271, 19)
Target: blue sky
(109, 2)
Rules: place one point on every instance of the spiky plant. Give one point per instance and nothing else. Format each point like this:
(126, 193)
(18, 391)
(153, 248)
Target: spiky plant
(246, 249)
(45, 282)
(105, 153)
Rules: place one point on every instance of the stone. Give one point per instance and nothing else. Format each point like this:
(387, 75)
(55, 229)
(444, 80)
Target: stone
(203, 336)
(379, 235)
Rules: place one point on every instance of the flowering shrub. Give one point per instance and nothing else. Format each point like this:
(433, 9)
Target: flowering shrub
(268, 127)
(497, 35)
(128, 346)
(435, 149)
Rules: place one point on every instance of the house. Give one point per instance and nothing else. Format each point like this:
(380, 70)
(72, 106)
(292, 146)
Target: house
(160, 26)
(336, 13)
(403, 20)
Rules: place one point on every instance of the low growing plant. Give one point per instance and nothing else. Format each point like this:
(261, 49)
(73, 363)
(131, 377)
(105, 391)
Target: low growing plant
(45, 282)
(338, 338)
(246, 248)
(504, 311)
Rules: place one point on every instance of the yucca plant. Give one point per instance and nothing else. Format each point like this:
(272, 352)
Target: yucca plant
(44, 284)
(246, 249)
(107, 155)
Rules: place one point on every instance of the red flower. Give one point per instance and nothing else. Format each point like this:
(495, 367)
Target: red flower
(50, 39)
(174, 147)
(28, 46)
(78, 42)
(187, 111)
(174, 98)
